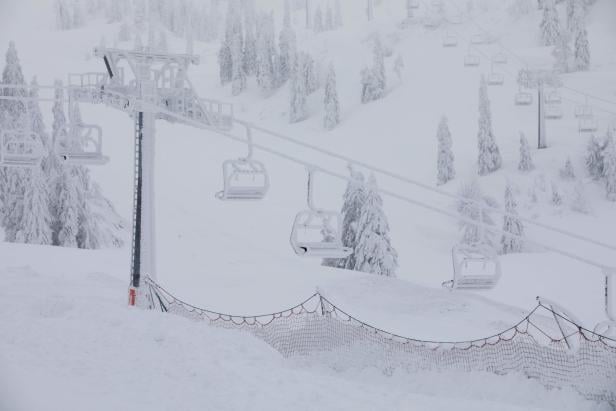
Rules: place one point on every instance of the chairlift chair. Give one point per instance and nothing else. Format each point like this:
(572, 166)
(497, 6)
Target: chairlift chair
(553, 97)
(317, 232)
(244, 178)
(499, 58)
(587, 125)
(553, 112)
(523, 98)
(583, 111)
(20, 148)
(474, 267)
(82, 146)
(413, 4)
(430, 23)
(495, 78)
(478, 39)
(450, 40)
(471, 60)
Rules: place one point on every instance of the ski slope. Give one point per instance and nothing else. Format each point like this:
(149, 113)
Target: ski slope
(236, 257)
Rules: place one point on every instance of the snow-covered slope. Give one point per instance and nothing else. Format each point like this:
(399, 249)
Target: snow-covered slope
(236, 258)
(68, 342)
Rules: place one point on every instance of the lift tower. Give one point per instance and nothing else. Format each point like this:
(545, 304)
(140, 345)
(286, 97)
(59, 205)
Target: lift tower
(148, 86)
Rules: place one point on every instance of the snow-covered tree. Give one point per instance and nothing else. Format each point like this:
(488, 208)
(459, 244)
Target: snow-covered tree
(550, 24)
(332, 106)
(238, 77)
(489, 159)
(370, 9)
(288, 51)
(609, 169)
(582, 51)
(579, 202)
(68, 208)
(35, 223)
(567, 172)
(307, 69)
(445, 157)
(297, 88)
(329, 18)
(374, 252)
(526, 161)
(266, 54)
(575, 10)
(512, 225)
(337, 14)
(557, 198)
(594, 157)
(317, 23)
(64, 20)
(354, 198)
(473, 205)
(562, 52)
(374, 81)
(250, 46)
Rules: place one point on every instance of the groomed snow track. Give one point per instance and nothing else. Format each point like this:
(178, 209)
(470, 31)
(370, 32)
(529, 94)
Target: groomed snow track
(544, 345)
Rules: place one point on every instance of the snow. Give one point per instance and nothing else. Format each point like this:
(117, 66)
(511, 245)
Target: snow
(64, 327)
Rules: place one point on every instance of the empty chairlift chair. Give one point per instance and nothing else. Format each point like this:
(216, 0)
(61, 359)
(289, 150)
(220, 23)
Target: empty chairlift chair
(450, 41)
(553, 97)
(523, 98)
(553, 112)
(479, 39)
(587, 125)
(244, 178)
(583, 111)
(82, 145)
(495, 78)
(20, 147)
(474, 267)
(317, 232)
(412, 4)
(471, 59)
(499, 58)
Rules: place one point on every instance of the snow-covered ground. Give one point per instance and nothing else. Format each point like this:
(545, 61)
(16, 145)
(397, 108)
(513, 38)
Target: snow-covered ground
(64, 326)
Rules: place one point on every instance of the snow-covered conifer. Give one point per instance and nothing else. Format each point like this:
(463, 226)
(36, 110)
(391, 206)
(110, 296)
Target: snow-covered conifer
(557, 198)
(526, 161)
(250, 46)
(266, 54)
(609, 168)
(374, 81)
(445, 157)
(297, 88)
(309, 73)
(68, 209)
(374, 252)
(582, 51)
(288, 50)
(238, 76)
(511, 224)
(489, 159)
(370, 9)
(567, 172)
(64, 20)
(594, 157)
(317, 24)
(332, 106)
(550, 25)
(562, 52)
(473, 205)
(337, 14)
(35, 223)
(329, 18)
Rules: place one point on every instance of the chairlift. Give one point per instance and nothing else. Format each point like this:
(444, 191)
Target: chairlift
(413, 4)
(430, 23)
(553, 97)
(478, 39)
(471, 60)
(553, 112)
(244, 178)
(523, 98)
(495, 78)
(587, 125)
(474, 267)
(82, 146)
(20, 148)
(583, 110)
(317, 232)
(450, 40)
(499, 58)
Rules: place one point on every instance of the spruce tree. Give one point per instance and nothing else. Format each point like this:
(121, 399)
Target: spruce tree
(445, 157)
(374, 80)
(374, 252)
(511, 224)
(489, 159)
(594, 157)
(332, 106)
(337, 14)
(329, 18)
(68, 209)
(238, 76)
(297, 88)
(35, 223)
(526, 161)
(354, 199)
(288, 50)
(250, 47)
(567, 172)
(317, 24)
(550, 25)
(609, 169)
(473, 205)
(582, 51)
(562, 53)
(266, 54)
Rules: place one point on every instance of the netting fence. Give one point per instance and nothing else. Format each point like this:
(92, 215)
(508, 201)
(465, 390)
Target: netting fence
(544, 345)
